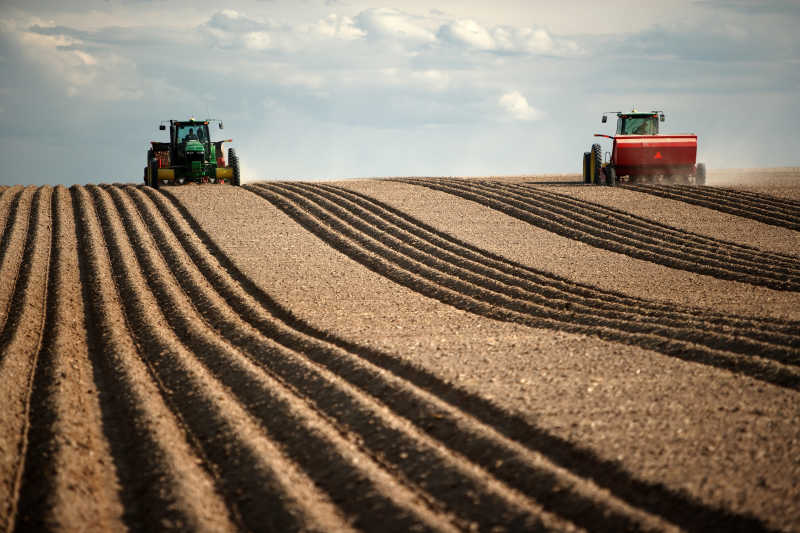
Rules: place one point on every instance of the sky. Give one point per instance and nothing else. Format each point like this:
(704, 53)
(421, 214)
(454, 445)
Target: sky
(328, 89)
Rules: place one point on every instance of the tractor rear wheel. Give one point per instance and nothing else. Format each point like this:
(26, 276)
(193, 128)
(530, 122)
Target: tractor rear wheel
(149, 159)
(233, 162)
(596, 163)
(587, 173)
(154, 182)
(700, 174)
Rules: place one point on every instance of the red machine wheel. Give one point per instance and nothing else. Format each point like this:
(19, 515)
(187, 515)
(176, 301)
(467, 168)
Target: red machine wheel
(700, 174)
(611, 176)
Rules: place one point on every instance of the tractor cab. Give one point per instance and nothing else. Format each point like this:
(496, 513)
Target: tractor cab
(634, 123)
(189, 140)
(190, 131)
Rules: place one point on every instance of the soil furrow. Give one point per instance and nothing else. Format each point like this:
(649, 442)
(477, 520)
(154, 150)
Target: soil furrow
(703, 244)
(555, 285)
(762, 203)
(435, 469)
(609, 241)
(439, 471)
(9, 203)
(462, 281)
(516, 287)
(655, 498)
(12, 247)
(323, 454)
(742, 209)
(647, 232)
(723, 256)
(466, 297)
(69, 480)
(765, 199)
(19, 345)
(162, 485)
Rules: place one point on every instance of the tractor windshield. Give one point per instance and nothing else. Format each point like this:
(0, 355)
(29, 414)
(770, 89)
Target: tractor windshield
(195, 131)
(637, 125)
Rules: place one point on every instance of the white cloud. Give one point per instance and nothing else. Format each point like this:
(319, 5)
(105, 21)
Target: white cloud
(536, 41)
(432, 78)
(468, 33)
(338, 26)
(87, 59)
(256, 40)
(360, 77)
(231, 29)
(394, 24)
(517, 106)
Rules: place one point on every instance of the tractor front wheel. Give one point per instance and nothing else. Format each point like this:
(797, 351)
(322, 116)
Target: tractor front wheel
(596, 163)
(233, 162)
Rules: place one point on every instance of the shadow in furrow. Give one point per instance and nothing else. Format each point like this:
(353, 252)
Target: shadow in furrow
(740, 206)
(460, 294)
(762, 203)
(403, 453)
(17, 300)
(622, 227)
(551, 305)
(676, 507)
(783, 204)
(145, 494)
(555, 286)
(701, 244)
(38, 478)
(322, 463)
(608, 237)
(10, 223)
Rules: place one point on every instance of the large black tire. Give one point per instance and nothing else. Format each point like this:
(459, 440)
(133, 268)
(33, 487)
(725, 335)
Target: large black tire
(233, 162)
(154, 182)
(149, 158)
(611, 176)
(587, 174)
(700, 174)
(596, 163)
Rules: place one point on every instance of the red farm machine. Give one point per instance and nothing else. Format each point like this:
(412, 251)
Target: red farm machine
(190, 156)
(640, 154)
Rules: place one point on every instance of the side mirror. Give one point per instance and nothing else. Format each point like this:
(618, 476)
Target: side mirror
(605, 119)
(162, 127)
(221, 126)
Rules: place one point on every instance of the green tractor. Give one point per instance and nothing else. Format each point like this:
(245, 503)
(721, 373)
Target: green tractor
(190, 156)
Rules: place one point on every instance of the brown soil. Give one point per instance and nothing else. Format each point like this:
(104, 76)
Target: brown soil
(439, 354)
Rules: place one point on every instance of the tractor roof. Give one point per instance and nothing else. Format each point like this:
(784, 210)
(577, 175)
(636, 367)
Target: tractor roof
(190, 121)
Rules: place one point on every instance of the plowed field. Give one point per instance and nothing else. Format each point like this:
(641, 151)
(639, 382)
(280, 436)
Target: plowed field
(401, 355)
